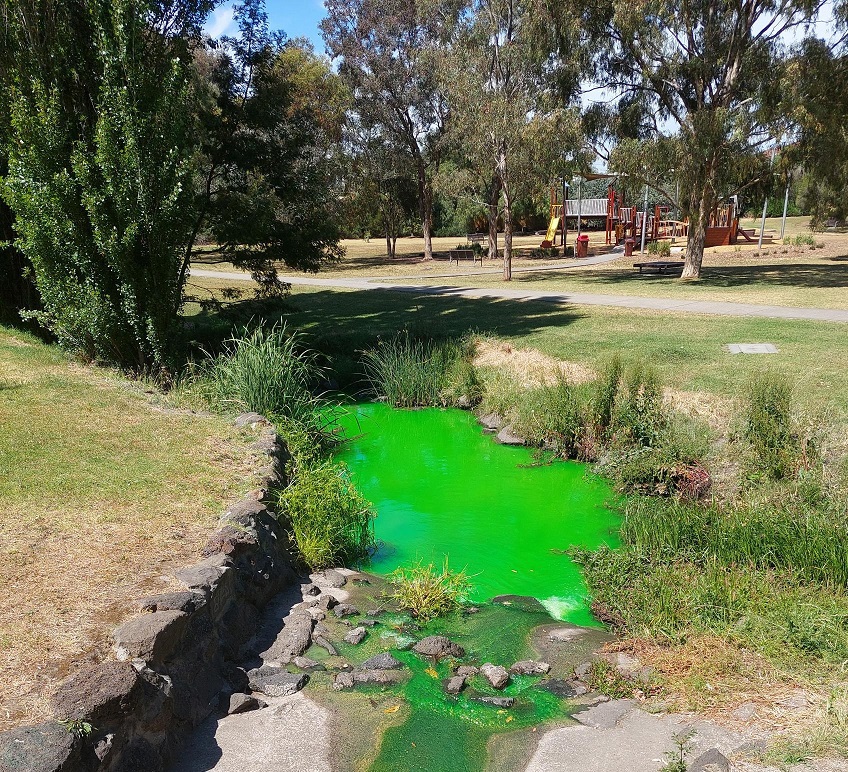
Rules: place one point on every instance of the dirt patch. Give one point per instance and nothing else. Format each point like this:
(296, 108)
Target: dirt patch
(714, 410)
(528, 366)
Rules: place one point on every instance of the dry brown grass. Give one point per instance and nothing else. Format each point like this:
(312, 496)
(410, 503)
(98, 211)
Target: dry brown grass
(528, 366)
(104, 492)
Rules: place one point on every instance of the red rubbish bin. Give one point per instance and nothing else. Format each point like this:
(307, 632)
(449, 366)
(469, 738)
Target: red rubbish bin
(582, 246)
(628, 247)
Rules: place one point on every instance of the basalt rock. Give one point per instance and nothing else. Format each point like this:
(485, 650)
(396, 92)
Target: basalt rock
(384, 661)
(356, 636)
(438, 646)
(496, 675)
(530, 667)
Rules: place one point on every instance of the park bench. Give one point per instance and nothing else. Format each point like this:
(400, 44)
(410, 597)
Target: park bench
(661, 266)
(477, 238)
(455, 255)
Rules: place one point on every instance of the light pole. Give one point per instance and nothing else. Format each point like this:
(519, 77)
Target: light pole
(765, 206)
(785, 205)
(645, 218)
(579, 203)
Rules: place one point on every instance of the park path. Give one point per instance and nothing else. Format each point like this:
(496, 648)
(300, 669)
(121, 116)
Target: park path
(674, 305)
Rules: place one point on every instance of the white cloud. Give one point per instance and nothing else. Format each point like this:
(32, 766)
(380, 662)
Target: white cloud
(221, 22)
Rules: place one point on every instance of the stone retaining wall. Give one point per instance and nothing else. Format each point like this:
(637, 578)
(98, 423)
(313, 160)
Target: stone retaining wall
(173, 662)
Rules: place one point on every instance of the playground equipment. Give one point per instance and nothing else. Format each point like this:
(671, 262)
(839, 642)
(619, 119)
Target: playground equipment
(624, 222)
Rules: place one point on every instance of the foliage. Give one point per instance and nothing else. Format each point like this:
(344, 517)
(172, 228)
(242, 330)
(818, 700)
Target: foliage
(101, 171)
(640, 417)
(270, 113)
(676, 759)
(426, 591)
(384, 50)
(330, 520)
(660, 248)
(605, 678)
(410, 372)
(708, 123)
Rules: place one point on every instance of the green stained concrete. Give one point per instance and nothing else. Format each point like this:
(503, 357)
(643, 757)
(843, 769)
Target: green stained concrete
(443, 488)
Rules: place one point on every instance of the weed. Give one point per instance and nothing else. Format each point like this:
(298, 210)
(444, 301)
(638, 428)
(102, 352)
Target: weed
(427, 592)
(660, 248)
(330, 520)
(804, 240)
(676, 759)
(411, 372)
(605, 678)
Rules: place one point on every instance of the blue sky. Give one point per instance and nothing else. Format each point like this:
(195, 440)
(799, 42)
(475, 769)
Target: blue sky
(297, 18)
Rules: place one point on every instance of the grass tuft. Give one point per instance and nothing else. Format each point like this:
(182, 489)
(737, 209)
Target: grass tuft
(427, 592)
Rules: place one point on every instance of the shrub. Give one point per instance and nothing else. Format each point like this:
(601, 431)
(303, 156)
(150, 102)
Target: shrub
(426, 592)
(804, 240)
(603, 404)
(660, 248)
(331, 522)
(410, 372)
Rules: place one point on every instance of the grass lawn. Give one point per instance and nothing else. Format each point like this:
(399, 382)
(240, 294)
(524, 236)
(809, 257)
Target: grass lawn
(103, 491)
(687, 349)
(779, 275)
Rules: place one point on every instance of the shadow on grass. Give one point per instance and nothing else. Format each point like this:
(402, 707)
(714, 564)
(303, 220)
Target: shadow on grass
(342, 323)
(775, 275)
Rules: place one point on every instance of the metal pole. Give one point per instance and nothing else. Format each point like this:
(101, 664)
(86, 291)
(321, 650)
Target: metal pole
(645, 219)
(785, 205)
(579, 203)
(676, 210)
(765, 206)
(564, 220)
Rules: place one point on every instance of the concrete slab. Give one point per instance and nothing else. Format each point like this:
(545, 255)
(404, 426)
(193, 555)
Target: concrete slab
(291, 734)
(752, 348)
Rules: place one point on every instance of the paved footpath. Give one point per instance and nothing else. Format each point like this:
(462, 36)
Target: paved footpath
(565, 298)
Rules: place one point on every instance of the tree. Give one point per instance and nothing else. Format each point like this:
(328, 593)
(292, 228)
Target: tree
(506, 115)
(385, 53)
(271, 119)
(101, 167)
(701, 76)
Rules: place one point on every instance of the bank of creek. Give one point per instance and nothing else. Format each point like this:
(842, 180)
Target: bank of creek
(441, 487)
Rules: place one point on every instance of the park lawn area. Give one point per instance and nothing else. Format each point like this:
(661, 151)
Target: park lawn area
(104, 490)
(687, 349)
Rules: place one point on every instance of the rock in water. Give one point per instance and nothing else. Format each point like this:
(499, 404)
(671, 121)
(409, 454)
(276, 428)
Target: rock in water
(438, 646)
(507, 437)
(343, 680)
(384, 661)
(356, 636)
(345, 610)
(530, 667)
(499, 702)
(306, 663)
(377, 676)
(496, 675)
(455, 685)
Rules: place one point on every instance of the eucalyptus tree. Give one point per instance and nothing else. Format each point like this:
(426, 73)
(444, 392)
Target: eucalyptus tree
(385, 55)
(505, 90)
(701, 77)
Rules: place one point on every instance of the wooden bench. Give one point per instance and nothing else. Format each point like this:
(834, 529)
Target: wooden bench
(477, 238)
(455, 255)
(661, 266)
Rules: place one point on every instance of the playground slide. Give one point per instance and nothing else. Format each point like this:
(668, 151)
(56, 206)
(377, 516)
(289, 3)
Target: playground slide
(551, 234)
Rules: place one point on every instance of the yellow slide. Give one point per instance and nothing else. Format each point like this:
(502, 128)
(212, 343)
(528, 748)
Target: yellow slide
(551, 234)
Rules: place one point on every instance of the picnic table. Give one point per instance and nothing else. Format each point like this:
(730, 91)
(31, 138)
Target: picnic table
(661, 266)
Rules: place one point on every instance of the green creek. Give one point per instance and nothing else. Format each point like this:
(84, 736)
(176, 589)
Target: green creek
(442, 487)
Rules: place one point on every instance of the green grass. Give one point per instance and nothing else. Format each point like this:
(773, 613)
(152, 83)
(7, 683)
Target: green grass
(330, 520)
(428, 592)
(103, 488)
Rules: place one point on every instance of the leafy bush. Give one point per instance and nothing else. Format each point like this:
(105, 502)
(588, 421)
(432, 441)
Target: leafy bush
(331, 521)
(660, 248)
(426, 592)
(606, 392)
(410, 372)
(804, 240)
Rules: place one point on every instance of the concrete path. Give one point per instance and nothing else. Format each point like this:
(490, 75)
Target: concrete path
(619, 736)
(712, 308)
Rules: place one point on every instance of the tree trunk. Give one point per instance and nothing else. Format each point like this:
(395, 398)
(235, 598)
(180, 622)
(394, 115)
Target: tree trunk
(494, 201)
(425, 203)
(698, 221)
(507, 258)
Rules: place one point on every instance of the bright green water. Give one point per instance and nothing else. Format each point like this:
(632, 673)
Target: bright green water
(442, 487)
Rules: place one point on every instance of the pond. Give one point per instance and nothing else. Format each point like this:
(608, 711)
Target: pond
(442, 487)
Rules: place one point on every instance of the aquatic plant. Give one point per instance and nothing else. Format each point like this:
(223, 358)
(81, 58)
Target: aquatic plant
(427, 592)
(411, 372)
(331, 521)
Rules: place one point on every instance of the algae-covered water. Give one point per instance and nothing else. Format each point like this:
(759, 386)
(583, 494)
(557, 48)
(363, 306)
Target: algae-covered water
(442, 487)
